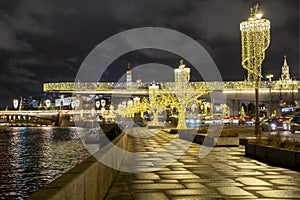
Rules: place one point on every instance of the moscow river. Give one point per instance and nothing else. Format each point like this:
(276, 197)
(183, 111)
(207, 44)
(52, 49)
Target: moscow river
(30, 158)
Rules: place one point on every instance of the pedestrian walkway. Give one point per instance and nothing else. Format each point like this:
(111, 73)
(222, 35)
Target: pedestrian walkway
(223, 174)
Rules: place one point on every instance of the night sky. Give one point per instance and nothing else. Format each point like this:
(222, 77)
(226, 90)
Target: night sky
(46, 40)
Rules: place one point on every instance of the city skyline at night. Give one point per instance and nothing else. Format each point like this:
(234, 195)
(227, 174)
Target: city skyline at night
(47, 41)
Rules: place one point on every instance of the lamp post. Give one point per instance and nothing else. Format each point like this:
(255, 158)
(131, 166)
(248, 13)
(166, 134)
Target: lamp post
(103, 107)
(182, 77)
(270, 76)
(255, 39)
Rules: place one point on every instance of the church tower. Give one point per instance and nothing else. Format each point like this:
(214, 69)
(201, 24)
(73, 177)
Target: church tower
(285, 71)
(128, 74)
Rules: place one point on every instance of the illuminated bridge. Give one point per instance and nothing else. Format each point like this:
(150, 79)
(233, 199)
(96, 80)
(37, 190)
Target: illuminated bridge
(235, 91)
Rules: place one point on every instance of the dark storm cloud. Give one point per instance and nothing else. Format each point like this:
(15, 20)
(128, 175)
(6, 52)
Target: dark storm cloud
(215, 25)
(43, 41)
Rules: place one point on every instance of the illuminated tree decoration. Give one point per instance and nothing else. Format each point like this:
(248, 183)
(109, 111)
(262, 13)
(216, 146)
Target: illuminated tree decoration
(182, 95)
(155, 102)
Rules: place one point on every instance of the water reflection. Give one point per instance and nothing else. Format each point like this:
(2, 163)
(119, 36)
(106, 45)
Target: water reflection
(33, 157)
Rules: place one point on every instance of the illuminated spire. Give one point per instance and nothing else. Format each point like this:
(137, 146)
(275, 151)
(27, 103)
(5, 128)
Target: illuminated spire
(285, 70)
(128, 67)
(128, 74)
(285, 65)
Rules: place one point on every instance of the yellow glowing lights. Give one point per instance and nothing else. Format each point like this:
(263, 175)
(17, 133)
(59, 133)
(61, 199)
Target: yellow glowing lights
(255, 39)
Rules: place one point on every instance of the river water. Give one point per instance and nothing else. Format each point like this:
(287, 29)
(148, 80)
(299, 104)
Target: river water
(32, 157)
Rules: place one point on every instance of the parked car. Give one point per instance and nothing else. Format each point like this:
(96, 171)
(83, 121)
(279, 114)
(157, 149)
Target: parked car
(207, 120)
(235, 120)
(295, 124)
(246, 121)
(226, 120)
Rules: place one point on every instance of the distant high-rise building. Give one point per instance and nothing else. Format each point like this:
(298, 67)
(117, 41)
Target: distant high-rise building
(128, 74)
(285, 71)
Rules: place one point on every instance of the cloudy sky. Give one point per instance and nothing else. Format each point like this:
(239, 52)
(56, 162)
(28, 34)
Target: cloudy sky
(47, 41)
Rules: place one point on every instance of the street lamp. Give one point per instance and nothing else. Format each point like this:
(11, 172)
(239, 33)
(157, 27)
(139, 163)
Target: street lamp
(103, 107)
(97, 104)
(48, 103)
(16, 103)
(255, 39)
(103, 102)
(72, 105)
(77, 103)
(270, 76)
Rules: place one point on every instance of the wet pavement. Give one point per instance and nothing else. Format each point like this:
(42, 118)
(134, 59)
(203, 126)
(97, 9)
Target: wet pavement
(225, 173)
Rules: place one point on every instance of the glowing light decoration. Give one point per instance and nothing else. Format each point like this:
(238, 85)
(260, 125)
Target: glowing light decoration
(110, 87)
(136, 100)
(130, 103)
(243, 113)
(255, 35)
(154, 103)
(185, 94)
(255, 38)
(111, 109)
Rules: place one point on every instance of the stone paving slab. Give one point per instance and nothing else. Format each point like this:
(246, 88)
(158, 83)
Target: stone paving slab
(225, 173)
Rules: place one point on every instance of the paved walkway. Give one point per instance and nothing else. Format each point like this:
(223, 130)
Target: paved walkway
(223, 174)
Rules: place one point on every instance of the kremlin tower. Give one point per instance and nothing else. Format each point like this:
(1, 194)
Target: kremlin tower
(285, 71)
